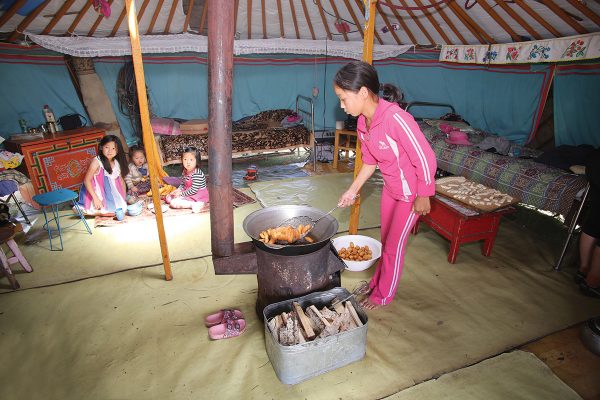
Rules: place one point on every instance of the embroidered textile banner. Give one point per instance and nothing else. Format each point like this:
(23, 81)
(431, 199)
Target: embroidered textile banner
(573, 48)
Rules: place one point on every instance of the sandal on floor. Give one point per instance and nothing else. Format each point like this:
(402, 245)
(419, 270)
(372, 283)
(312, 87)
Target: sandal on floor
(222, 316)
(231, 328)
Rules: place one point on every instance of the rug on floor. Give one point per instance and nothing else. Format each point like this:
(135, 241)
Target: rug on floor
(239, 199)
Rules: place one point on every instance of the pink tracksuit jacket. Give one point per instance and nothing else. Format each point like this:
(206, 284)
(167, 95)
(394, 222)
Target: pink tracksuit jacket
(395, 143)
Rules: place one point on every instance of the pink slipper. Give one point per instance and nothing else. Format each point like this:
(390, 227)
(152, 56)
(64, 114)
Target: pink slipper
(229, 329)
(222, 316)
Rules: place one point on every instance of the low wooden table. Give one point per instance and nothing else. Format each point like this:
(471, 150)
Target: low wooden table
(460, 224)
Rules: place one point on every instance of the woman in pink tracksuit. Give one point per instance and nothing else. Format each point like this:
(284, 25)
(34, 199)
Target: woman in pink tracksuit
(391, 140)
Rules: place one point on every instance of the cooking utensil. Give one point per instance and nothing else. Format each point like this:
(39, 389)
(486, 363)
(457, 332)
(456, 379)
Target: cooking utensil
(305, 220)
(269, 217)
(360, 289)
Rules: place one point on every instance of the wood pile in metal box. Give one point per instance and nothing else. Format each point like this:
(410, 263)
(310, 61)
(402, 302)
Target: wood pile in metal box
(304, 325)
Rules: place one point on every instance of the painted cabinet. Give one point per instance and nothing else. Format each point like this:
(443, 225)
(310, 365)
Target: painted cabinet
(57, 160)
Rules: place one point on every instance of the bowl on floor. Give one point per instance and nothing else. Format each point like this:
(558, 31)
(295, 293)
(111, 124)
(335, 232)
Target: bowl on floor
(358, 240)
(135, 209)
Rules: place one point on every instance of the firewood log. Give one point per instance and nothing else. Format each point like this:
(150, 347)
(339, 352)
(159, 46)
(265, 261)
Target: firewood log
(304, 321)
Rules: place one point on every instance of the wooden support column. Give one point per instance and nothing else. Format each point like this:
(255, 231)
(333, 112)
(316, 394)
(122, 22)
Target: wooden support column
(220, 78)
(149, 143)
(367, 57)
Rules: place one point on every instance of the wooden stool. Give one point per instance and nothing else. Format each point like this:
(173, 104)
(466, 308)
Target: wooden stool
(460, 224)
(7, 234)
(349, 144)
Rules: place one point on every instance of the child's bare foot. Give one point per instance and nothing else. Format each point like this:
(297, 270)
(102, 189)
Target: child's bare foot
(369, 305)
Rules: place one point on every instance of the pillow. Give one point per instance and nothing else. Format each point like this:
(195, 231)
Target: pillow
(165, 126)
(462, 126)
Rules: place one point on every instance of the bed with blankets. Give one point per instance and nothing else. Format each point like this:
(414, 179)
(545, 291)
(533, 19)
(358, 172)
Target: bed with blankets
(535, 184)
(267, 131)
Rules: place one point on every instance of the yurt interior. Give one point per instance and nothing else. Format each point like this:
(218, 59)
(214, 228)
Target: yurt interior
(300, 199)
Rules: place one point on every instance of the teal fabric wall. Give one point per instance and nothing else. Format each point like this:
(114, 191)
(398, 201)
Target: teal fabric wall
(29, 79)
(576, 104)
(503, 100)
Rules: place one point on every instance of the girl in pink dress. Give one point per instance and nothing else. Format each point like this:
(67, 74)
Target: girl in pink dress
(192, 192)
(391, 140)
(103, 189)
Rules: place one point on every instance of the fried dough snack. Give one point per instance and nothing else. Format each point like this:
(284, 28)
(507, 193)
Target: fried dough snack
(356, 253)
(284, 234)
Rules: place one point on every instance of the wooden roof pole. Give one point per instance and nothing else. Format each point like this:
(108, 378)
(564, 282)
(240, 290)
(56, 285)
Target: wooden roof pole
(361, 7)
(307, 16)
(368, 58)
(25, 23)
(337, 15)
(188, 14)
(519, 19)
(537, 17)
(412, 37)
(434, 23)
(353, 15)
(280, 13)
(293, 9)
(585, 10)
(11, 11)
(149, 143)
(264, 18)
(59, 14)
(450, 24)
(494, 15)
(389, 26)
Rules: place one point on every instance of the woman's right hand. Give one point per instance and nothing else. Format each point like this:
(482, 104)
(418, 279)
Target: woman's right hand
(347, 198)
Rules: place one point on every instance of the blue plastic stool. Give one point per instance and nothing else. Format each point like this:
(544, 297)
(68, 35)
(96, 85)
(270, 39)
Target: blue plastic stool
(54, 199)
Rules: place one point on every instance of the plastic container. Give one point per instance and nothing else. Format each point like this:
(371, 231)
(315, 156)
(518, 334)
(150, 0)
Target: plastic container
(294, 364)
(49, 114)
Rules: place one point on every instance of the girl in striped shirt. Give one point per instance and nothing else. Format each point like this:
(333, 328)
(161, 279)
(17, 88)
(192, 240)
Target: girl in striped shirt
(192, 193)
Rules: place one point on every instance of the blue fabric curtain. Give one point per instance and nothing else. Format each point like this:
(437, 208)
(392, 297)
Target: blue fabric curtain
(576, 104)
(31, 78)
(507, 101)
(504, 100)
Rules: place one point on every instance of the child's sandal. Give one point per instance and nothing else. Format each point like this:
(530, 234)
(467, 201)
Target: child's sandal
(223, 316)
(231, 328)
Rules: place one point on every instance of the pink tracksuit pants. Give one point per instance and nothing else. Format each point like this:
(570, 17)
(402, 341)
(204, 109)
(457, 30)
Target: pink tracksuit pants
(397, 220)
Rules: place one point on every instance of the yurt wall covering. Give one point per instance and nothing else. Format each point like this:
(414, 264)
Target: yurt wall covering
(577, 104)
(30, 78)
(483, 95)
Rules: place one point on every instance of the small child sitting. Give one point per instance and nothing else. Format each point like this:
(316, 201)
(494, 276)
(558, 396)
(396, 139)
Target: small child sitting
(192, 193)
(137, 180)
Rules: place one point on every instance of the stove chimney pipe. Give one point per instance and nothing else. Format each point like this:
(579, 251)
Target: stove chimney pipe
(220, 76)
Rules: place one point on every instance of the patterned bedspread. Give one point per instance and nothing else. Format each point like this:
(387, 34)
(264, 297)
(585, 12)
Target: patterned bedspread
(536, 184)
(260, 133)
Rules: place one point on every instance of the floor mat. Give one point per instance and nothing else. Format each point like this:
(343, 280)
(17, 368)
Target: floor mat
(514, 375)
(239, 199)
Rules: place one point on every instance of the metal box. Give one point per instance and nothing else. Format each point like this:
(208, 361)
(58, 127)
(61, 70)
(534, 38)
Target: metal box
(294, 364)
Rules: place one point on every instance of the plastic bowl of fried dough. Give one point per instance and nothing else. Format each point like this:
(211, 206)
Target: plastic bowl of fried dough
(358, 252)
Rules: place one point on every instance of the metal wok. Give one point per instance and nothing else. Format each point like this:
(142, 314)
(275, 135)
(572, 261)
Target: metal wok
(271, 217)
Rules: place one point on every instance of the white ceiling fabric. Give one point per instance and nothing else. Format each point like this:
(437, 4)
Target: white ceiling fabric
(80, 46)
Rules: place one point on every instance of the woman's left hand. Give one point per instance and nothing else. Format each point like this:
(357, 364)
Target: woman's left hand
(421, 206)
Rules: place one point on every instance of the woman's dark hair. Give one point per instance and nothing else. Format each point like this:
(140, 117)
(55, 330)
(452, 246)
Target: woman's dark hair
(194, 151)
(135, 148)
(357, 74)
(120, 157)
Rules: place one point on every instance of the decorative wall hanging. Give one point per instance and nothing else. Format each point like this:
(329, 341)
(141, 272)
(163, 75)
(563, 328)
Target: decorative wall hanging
(573, 48)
